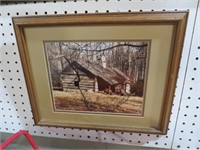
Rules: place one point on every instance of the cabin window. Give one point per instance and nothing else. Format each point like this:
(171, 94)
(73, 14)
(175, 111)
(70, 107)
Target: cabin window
(76, 83)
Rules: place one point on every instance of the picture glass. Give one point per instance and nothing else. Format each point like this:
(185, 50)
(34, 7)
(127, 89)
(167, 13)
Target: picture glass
(98, 76)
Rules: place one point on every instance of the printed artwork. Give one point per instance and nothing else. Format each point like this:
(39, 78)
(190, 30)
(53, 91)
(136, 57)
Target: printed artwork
(98, 76)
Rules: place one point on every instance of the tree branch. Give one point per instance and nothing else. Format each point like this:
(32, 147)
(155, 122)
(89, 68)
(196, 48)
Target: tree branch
(79, 79)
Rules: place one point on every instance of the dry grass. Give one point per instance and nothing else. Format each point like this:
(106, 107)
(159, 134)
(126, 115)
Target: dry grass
(98, 102)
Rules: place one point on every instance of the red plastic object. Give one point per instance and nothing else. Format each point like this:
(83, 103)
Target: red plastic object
(16, 135)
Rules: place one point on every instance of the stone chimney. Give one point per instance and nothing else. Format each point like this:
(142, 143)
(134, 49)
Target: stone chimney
(103, 60)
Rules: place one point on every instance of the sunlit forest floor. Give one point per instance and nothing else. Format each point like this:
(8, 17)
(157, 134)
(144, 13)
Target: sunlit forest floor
(97, 102)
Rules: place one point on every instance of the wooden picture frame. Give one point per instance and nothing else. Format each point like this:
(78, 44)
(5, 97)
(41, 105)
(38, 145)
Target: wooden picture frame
(163, 32)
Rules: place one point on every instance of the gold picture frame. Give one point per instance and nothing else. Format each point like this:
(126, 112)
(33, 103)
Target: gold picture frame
(164, 33)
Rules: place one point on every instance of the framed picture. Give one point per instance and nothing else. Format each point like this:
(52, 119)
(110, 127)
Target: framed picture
(113, 71)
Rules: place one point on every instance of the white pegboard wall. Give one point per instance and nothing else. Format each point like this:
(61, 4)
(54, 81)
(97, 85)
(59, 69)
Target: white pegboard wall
(187, 133)
(15, 110)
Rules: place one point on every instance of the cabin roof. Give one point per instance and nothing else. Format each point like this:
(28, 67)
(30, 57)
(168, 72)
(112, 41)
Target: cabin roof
(110, 75)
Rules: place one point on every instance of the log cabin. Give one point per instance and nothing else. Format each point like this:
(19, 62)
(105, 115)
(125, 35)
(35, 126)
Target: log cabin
(93, 77)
